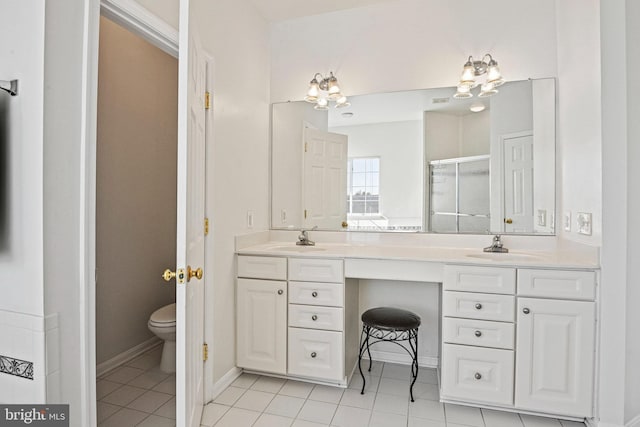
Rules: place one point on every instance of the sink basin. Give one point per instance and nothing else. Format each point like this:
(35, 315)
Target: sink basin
(496, 256)
(296, 248)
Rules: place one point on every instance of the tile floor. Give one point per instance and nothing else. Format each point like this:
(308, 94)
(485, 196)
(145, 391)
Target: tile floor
(137, 394)
(260, 401)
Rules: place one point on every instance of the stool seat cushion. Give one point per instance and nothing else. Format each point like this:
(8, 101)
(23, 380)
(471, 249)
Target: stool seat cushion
(390, 319)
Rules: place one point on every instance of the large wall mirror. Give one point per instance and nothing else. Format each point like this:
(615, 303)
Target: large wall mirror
(418, 161)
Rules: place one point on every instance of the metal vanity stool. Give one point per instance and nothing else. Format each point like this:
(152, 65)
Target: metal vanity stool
(392, 325)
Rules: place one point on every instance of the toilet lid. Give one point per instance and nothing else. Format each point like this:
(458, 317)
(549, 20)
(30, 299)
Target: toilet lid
(166, 314)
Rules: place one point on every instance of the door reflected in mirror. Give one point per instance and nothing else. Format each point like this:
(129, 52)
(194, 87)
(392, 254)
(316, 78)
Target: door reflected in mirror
(418, 161)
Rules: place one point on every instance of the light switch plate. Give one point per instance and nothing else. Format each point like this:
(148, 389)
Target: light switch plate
(566, 221)
(583, 223)
(542, 217)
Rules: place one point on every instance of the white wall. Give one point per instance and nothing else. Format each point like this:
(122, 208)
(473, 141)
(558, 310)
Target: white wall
(632, 388)
(136, 187)
(412, 44)
(579, 114)
(441, 136)
(475, 134)
(70, 67)
(238, 38)
(614, 300)
(22, 323)
(399, 146)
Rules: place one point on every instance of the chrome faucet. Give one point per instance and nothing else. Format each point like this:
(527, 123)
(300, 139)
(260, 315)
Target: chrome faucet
(303, 238)
(496, 246)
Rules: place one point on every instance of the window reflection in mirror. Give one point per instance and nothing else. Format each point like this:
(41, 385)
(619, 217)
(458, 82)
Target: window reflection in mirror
(418, 161)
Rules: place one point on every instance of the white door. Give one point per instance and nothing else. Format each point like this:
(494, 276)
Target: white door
(518, 184)
(262, 325)
(190, 224)
(554, 356)
(324, 198)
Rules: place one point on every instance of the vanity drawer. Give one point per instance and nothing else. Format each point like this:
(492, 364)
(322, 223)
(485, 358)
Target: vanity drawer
(494, 280)
(316, 317)
(478, 332)
(477, 374)
(316, 293)
(470, 305)
(575, 285)
(262, 267)
(316, 354)
(316, 270)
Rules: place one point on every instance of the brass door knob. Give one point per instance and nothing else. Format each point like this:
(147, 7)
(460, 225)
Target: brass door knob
(168, 275)
(508, 221)
(345, 224)
(197, 273)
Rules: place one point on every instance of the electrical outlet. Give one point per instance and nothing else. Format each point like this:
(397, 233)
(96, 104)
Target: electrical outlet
(583, 223)
(542, 217)
(249, 219)
(566, 221)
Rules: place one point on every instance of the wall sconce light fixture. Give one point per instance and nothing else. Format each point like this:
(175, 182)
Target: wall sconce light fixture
(472, 69)
(325, 89)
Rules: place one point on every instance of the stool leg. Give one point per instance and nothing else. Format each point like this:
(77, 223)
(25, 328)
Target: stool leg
(369, 351)
(363, 343)
(413, 343)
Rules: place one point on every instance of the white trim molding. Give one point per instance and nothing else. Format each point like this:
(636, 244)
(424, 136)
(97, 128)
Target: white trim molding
(131, 15)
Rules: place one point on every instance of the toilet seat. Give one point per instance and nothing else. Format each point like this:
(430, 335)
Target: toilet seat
(164, 317)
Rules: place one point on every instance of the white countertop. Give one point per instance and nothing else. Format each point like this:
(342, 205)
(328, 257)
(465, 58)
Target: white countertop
(565, 258)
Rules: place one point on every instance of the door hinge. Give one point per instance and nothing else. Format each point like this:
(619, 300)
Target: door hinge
(305, 214)
(305, 147)
(206, 226)
(205, 352)
(207, 100)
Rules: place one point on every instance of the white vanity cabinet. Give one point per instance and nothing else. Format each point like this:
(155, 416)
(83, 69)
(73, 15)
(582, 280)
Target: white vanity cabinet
(519, 338)
(316, 318)
(291, 317)
(478, 309)
(555, 342)
(261, 309)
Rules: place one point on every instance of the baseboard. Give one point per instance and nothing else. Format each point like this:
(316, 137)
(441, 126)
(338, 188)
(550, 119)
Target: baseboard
(125, 356)
(404, 359)
(224, 382)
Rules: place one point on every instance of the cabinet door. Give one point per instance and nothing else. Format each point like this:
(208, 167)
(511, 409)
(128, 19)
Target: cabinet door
(262, 325)
(554, 356)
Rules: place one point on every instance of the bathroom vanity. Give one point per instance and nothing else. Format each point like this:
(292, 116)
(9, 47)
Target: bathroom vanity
(518, 330)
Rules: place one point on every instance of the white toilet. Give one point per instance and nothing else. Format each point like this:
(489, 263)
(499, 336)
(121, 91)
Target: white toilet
(163, 323)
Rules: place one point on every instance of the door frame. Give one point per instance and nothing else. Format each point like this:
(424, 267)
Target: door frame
(137, 19)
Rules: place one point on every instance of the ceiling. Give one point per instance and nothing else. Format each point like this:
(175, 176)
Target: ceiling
(282, 10)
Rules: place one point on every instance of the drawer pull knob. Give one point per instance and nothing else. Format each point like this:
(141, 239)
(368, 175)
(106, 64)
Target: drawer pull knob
(314, 294)
(314, 317)
(280, 291)
(313, 354)
(478, 333)
(478, 306)
(477, 376)
(526, 310)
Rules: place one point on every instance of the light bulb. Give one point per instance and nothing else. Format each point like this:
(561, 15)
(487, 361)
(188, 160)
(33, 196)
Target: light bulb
(464, 91)
(487, 89)
(342, 102)
(313, 92)
(322, 104)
